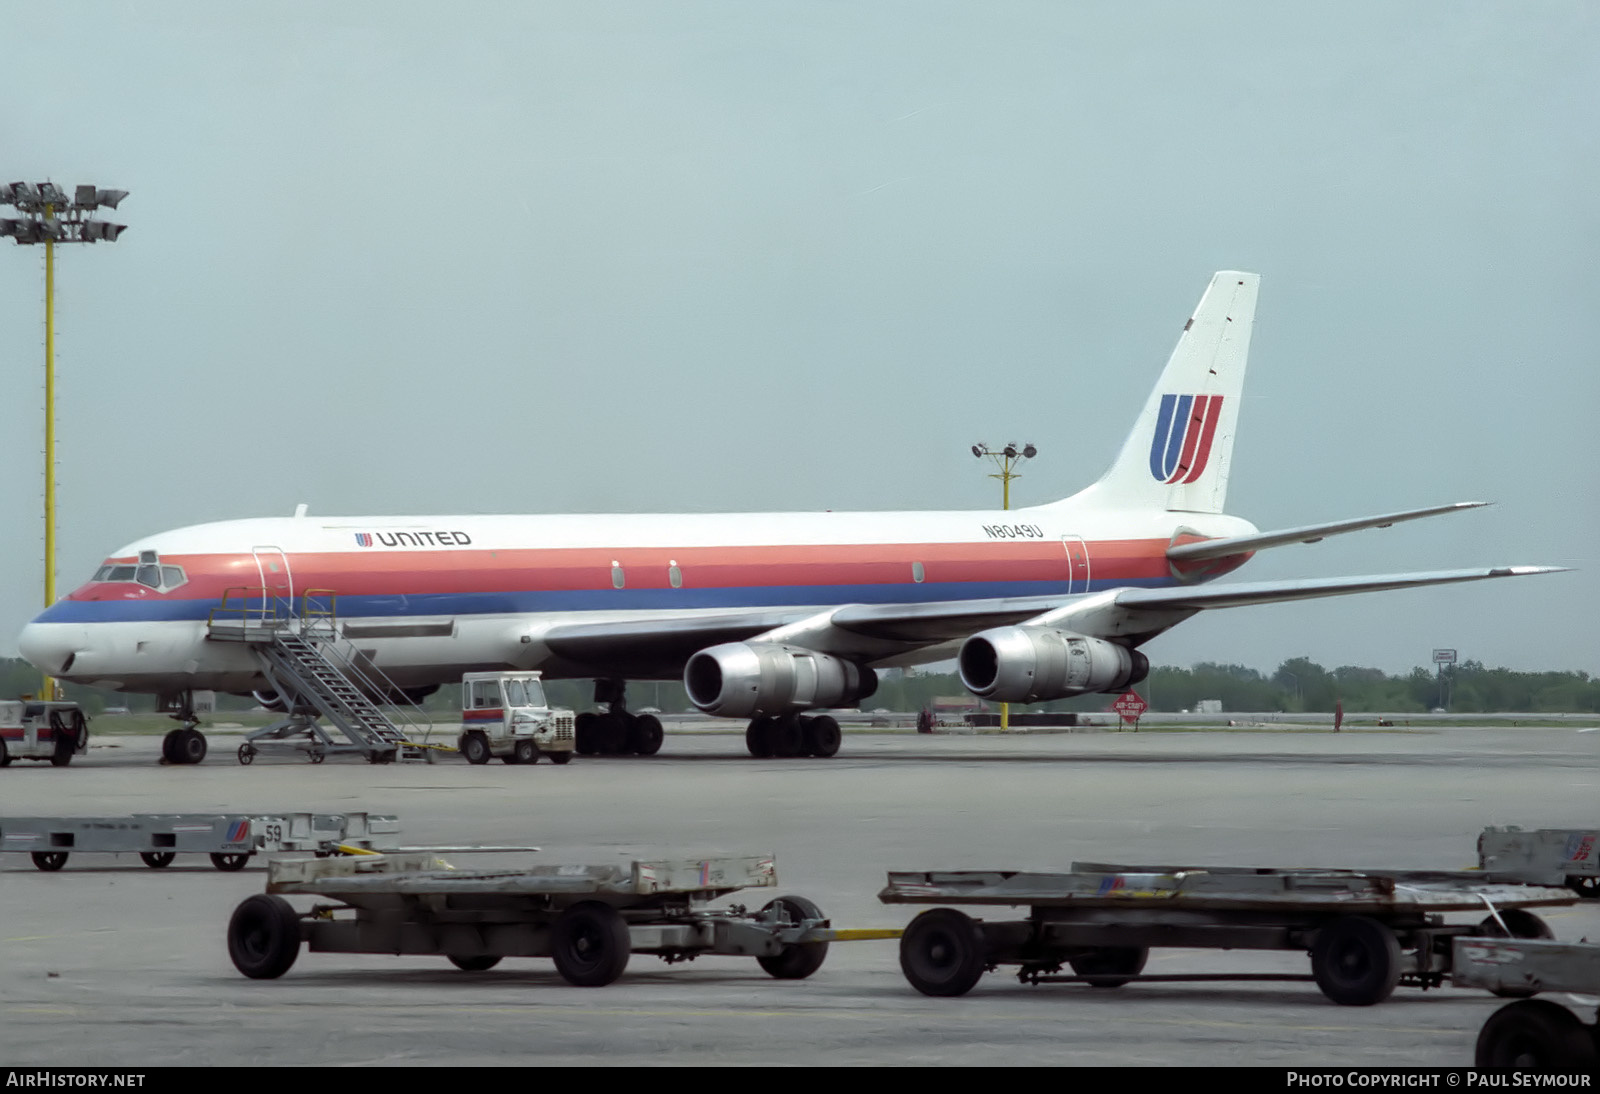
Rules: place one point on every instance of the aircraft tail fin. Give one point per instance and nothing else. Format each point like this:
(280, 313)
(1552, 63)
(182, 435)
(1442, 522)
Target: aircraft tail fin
(1181, 448)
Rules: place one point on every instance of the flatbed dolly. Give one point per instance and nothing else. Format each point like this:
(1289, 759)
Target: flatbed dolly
(588, 918)
(229, 838)
(1366, 931)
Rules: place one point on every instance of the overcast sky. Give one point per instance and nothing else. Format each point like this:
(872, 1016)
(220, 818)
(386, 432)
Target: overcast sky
(695, 256)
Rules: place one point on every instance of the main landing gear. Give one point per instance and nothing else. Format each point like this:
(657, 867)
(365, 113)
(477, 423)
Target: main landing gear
(792, 735)
(186, 745)
(615, 732)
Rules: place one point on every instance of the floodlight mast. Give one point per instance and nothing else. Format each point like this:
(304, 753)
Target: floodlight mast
(1005, 459)
(49, 217)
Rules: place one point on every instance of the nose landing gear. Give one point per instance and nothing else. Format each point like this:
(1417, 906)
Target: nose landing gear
(186, 745)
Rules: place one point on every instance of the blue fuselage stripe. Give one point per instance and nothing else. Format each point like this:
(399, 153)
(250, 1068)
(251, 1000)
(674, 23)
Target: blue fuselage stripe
(582, 600)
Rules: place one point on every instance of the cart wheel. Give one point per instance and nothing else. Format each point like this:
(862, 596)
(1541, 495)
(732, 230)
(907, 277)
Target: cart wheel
(229, 863)
(590, 944)
(478, 962)
(1356, 961)
(822, 736)
(1522, 924)
(316, 755)
(156, 860)
(1586, 887)
(800, 960)
(525, 752)
(5, 756)
(942, 952)
(646, 735)
(560, 757)
(758, 737)
(1110, 966)
(247, 753)
(50, 861)
(62, 756)
(475, 747)
(263, 936)
(1535, 1035)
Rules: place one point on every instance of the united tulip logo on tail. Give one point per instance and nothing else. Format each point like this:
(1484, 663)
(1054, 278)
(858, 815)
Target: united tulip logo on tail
(1184, 430)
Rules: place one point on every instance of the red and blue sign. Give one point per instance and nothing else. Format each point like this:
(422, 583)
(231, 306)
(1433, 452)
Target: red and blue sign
(1185, 428)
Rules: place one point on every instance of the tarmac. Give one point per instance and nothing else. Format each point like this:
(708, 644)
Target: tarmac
(108, 963)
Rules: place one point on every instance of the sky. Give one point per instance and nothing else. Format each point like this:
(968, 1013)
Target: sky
(721, 256)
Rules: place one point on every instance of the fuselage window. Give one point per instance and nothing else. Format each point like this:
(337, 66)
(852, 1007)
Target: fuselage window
(675, 575)
(171, 577)
(617, 580)
(917, 573)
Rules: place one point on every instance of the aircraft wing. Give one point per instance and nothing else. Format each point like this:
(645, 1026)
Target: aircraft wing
(1201, 550)
(1196, 598)
(877, 632)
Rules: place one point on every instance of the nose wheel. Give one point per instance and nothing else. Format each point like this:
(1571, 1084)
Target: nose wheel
(184, 746)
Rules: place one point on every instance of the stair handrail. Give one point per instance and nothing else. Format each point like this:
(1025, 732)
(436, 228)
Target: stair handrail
(242, 611)
(382, 690)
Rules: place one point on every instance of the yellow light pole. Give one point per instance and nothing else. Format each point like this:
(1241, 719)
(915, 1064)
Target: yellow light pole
(50, 217)
(1005, 459)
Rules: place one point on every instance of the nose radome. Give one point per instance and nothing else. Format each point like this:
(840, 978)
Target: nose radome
(49, 647)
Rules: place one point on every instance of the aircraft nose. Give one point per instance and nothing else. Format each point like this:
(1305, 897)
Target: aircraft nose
(50, 647)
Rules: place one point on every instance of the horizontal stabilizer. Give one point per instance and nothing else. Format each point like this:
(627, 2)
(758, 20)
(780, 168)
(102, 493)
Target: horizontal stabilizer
(1272, 592)
(1310, 533)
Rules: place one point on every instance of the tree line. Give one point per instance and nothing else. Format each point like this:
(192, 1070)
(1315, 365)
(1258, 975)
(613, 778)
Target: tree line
(1297, 685)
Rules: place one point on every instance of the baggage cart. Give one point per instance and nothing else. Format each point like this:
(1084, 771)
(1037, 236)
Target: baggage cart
(1536, 1034)
(228, 838)
(588, 918)
(1365, 931)
(1544, 856)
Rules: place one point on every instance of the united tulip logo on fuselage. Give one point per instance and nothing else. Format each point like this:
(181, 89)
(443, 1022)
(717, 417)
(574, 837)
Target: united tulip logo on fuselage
(1184, 431)
(413, 539)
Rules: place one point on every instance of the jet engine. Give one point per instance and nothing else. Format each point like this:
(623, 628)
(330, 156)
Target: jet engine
(1036, 664)
(271, 700)
(738, 679)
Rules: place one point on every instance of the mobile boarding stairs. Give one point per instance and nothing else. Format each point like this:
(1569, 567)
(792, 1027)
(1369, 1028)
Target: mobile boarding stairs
(318, 674)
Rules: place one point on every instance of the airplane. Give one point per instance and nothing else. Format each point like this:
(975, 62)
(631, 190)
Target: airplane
(766, 616)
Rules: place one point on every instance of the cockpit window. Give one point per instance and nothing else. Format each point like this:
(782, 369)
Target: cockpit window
(150, 574)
